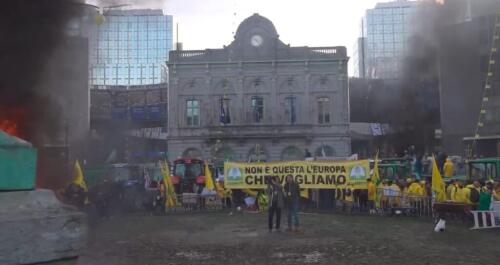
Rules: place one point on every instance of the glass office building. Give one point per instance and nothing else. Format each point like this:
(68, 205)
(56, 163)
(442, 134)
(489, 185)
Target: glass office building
(131, 47)
(385, 30)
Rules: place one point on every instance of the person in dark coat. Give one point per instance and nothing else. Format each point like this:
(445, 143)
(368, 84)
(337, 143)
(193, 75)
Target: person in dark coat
(292, 195)
(276, 202)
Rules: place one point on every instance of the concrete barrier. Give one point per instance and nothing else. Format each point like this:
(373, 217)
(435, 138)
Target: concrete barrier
(35, 227)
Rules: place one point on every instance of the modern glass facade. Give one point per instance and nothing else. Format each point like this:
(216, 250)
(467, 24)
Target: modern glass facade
(131, 48)
(385, 30)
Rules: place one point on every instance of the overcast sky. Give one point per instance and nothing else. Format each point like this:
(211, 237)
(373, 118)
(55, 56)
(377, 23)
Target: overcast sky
(212, 23)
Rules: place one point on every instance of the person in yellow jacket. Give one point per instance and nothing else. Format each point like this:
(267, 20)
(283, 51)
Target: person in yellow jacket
(451, 189)
(496, 191)
(466, 196)
(459, 195)
(348, 199)
(395, 192)
(415, 189)
(372, 196)
(448, 168)
(224, 194)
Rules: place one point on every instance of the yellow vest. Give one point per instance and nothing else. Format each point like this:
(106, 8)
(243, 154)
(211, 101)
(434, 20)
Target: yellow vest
(462, 195)
(415, 190)
(450, 190)
(448, 169)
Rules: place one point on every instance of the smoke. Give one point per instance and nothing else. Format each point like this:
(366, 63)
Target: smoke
(128, 4)
(30, 31)
(421, 66)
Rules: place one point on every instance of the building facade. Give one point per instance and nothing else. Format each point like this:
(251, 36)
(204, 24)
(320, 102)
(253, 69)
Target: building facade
(130, 47)
(128, 124)
(384, 33)
(258, 99)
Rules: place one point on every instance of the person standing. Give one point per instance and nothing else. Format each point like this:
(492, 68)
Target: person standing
(292, 194)
(276, 202)
(448, 168)
(372, 196)
(418, 167)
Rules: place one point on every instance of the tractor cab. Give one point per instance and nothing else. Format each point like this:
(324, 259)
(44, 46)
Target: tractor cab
(393, 168)
(484, 169)
(188, 175)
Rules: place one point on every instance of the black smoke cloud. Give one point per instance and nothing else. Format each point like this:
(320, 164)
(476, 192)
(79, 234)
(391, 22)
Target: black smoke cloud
(30, 31)
(420, 66)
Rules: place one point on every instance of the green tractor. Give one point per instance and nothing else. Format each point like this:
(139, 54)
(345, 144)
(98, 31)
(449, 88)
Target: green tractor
(483, 169)
(393, 168)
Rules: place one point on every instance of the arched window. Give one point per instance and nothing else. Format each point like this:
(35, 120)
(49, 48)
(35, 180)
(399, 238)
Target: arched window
(292, 153)
(222, 155)
(325, 151)
(257, 154)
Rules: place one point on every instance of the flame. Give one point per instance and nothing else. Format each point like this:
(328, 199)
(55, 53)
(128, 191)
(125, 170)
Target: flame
(441, 2)
(11, 120)
(9, 127)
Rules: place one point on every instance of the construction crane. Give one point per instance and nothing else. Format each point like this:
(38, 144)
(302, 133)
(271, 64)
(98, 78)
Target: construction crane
(493, 74)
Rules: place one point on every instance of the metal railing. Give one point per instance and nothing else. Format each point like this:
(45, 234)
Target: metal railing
(190, 202)
(408, 205)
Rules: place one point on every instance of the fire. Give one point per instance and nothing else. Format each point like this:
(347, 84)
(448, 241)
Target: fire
(11, 120)
(441, 2)
(9, 127)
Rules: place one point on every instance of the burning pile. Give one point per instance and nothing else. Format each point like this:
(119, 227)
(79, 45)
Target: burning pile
(12, 120)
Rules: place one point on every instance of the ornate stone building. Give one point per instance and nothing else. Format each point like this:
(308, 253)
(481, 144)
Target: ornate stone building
(258, 99)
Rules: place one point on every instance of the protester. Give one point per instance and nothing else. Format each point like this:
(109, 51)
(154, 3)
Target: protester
(348, 204)
(395, 194)
(292, 194)
(460, 195)
(415, 189)
(451, 189)
(418, 167)
(276, 202)
(385, 194)
(485, 198)
(372, 195)
(441, 159)
(448, 168)
(496, 191)
(471, 193)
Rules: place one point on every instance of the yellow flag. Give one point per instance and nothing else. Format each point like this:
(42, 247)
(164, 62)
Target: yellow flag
(209, 181)
(438, 186)
(170, 197)
(376, 174)
(78, 178)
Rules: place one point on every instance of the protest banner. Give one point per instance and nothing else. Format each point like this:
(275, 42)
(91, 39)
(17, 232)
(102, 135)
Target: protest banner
(308, 174)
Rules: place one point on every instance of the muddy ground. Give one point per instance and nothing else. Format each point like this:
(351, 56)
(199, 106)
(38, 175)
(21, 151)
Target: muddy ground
(216, 238)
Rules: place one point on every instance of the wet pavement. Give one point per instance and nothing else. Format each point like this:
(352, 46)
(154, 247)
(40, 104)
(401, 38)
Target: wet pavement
(216, 238)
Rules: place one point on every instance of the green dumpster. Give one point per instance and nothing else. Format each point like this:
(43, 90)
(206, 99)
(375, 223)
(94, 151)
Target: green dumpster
(17, 163)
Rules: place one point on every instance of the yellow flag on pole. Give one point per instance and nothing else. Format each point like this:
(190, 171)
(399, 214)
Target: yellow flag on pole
(209, 181)
(170, 197)
(78, 178)
(438, 186)
(376, 174)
